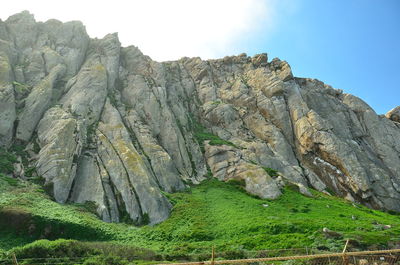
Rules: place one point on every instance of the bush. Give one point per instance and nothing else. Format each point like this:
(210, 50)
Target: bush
(241, 183)
(271, 172)
(89, 206)
(233, 254)
(21, 88)
(125, 251)
(91, 252)
(105, 260)
(55, 249)
(10, 181)
(6, 162)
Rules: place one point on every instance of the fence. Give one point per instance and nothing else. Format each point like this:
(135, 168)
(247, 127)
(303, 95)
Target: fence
(378, 257)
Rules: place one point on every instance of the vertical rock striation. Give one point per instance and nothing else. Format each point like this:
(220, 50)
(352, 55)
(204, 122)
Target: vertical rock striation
(120, 130)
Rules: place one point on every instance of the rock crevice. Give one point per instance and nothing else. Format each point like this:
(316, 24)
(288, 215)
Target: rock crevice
(121, 130)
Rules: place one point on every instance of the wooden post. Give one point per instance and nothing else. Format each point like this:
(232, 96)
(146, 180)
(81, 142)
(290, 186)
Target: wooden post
(15, 259)
(345, 258)
(345, 246)
(212, 255)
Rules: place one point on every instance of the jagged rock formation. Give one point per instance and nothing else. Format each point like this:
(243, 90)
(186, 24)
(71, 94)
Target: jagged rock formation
(394, 114)
(119, 129)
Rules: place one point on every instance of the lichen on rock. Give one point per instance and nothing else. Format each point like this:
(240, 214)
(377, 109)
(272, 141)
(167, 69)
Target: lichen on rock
(121, 130)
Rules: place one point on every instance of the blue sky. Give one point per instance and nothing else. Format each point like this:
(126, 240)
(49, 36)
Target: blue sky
(352, 45)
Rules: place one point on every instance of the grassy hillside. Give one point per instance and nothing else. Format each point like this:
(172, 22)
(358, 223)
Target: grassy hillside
(211, 214)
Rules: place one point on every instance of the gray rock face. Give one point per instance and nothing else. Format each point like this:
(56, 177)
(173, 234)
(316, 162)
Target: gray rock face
(7, 104)
(60, 137)
(227, 163)
(142, 184)
(89, 186)
(160, 162)
(118, 129)
(37, 102)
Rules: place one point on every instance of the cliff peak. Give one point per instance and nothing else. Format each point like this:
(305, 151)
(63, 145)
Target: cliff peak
(119, 129)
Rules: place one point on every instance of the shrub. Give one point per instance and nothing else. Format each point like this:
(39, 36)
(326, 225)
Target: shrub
(10, 181)
(271, 172)
(55, 249)
(146, 219)
(89, 206)
(305, 210)
(6, 161)
(201, 135)
(234, 254)
(105, 260)
(91, 252)
(241, 183)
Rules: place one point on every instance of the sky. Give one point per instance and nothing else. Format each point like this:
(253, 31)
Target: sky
(352, 45)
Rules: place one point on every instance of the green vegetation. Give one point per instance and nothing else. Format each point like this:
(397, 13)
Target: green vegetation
(113, 99)
(201, 134)
(8, 180)
(210, 214)
(21, 88)
(62, 250)
(271, 172)
(91, 131)
(9, 157)
(6, 161)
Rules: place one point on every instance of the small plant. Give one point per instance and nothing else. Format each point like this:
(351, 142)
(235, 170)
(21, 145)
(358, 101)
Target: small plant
(113, 99)
(89, 206)
(145, 219)
(393, 212)
(305, 210)
(6, 161)
(201, 135)
(30, 172)
(18, 149)
(20, 88)
(105, 260)
(91, 132)
(8, 180)
(271, 172)
(241, 183)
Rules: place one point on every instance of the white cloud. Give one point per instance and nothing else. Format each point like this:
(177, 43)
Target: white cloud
(163, 29)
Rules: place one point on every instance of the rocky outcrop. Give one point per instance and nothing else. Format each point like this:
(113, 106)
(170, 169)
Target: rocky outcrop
(37, 102)
(227, 163)
(120, 130)
(7, 98)
(139, 181)
(60, 137)
(394, 114)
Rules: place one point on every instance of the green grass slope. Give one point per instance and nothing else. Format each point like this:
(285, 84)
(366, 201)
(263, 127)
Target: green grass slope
(210, 214)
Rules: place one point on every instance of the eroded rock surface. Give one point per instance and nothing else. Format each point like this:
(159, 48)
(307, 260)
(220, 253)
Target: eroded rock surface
(119, 129)
(394, 114)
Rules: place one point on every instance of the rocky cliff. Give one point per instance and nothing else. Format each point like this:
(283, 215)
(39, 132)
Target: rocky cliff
(119, 129)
